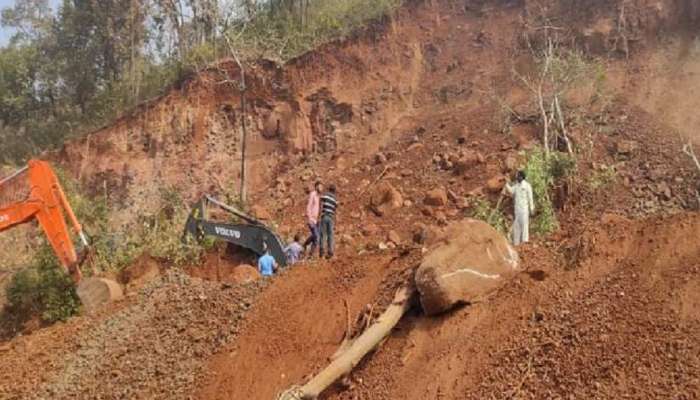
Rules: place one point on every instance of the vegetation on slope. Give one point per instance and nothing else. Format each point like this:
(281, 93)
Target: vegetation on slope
(74, 68)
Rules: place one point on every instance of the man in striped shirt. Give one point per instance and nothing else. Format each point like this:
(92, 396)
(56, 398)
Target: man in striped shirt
(329, 205)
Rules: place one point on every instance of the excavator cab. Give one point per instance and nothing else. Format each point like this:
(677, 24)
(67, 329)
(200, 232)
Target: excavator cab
(252, 234)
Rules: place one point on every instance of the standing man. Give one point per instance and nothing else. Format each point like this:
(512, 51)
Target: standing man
(329, 205)
(523, 208)
(267, 264)
(312, 212)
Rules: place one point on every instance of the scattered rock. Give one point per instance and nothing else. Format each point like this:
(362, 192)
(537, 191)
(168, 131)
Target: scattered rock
(664, 191)
(496, 183)
(626, 148)
(385, 197)
(436, 197)
(416, 146)
(469, 260)
(393, 237)
(347, 239)
(452, 196)
(468, 160)
(441, 218)
(244, 274)
(369, 229)
(424, 234)
(380, 158)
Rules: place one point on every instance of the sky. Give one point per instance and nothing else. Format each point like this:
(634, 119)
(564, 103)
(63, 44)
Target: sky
(5, 33)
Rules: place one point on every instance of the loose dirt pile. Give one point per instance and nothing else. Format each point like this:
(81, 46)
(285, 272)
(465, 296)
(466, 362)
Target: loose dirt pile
(152, 348)
(621, 336)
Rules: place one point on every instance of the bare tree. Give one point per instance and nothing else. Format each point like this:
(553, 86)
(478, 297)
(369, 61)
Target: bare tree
(690, 152)
(557, 71)
(244, 134)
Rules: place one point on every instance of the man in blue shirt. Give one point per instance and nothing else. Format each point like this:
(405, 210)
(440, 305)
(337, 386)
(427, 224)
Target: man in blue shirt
(267, 264)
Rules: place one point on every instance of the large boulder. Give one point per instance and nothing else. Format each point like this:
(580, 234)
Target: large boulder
(469, 260)
(385, 197)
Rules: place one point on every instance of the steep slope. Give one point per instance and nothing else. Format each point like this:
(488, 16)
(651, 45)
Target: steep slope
(422, 89)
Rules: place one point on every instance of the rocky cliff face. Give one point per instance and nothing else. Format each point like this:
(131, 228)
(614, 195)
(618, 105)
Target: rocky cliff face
(344, 100)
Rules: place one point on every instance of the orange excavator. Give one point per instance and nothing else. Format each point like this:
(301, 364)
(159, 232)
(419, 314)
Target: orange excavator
(34, 193)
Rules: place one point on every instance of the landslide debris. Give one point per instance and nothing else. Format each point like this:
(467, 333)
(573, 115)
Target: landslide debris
(619, 339)
(154, 348)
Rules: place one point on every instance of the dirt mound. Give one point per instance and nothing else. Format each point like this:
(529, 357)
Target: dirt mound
(621, 324)
(297, 324)
(152, 348)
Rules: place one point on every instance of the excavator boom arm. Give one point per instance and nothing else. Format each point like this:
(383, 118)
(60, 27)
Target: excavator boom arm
(46, 202)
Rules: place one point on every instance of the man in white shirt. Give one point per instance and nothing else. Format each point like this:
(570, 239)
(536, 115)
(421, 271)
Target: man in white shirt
(524, 206)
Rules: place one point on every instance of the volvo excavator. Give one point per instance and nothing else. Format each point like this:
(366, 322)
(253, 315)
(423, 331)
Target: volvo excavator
(34, 193)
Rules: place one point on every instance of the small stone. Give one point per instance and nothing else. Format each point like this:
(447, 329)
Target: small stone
(380, 158)
(415, 146)
(441, 218)
(393, 237)
(436, 197)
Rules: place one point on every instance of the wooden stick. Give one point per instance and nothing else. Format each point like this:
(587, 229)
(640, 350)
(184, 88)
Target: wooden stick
(688, 149)
(375, 181)
(345, 363)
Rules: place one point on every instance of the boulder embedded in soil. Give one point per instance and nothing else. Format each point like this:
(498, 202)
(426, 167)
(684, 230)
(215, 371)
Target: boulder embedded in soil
(436, 197)
(96, 292)
(384, 197)
(470, 259)
(244, 273)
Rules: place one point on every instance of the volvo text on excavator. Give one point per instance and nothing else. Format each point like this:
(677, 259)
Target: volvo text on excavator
(250, 233)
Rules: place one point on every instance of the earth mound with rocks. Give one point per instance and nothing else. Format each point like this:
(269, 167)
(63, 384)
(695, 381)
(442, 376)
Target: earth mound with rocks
(155, 347)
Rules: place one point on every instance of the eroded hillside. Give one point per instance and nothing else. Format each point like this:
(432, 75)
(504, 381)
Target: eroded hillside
(606, 306)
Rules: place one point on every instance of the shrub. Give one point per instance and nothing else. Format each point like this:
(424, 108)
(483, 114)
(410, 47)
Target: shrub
(542, 173)
(283, 35)
(43, 289)
(602, 177)
(484, 211)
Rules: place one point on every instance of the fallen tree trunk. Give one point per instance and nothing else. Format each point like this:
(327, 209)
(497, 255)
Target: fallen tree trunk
(345, 362)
